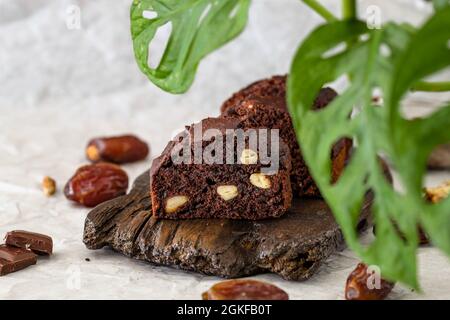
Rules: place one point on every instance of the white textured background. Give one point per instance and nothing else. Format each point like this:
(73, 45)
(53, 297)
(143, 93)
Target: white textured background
(60, 87)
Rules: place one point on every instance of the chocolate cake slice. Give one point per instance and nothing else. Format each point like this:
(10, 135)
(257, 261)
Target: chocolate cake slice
(263, 105)
(271, 88)
(214, 169)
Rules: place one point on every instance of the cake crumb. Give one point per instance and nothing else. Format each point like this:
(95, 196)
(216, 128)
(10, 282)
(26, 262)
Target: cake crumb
(436, 194)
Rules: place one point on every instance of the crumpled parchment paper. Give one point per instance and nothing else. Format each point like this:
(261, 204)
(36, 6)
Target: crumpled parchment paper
(61, 86)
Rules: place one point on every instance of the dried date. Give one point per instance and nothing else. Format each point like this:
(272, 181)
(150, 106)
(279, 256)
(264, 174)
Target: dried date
(120, 149)
(364, 285)
(244, 290)
(96, 183)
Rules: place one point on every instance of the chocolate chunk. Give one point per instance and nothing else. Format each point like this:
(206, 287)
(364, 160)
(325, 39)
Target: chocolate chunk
(13, 259)
(39, 243)
(6, 267)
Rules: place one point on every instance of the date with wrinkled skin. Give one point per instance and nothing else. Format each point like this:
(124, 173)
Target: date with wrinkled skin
(120, 149)
(244, 289)
(357, 286)
(96, 183)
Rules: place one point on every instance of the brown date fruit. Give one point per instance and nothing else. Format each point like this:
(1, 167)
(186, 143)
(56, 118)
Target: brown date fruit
(244, 289)
(95, 183)
(357, 286)
(120, 149)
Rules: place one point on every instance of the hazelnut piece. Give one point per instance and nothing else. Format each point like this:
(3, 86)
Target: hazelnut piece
(248, 156)
(48, 186)
(436, 194)
(227, 192)
(260, 180)
(92, 153)
(175, 202)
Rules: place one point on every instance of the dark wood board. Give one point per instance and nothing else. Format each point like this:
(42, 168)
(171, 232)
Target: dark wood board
(293, 246)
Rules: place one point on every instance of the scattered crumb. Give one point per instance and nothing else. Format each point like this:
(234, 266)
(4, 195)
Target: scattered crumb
(87, 259)
(438, 193)
(48, 186)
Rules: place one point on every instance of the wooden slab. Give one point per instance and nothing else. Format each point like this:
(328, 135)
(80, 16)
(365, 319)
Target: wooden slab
(292, 246)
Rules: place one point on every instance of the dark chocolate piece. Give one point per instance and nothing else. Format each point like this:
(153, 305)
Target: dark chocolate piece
(243, 190)
(7, 267)
(293, 246)
(14, 259)
(39, 243)
(263, 105)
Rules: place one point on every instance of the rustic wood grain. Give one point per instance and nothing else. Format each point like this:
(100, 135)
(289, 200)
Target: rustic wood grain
(292, 246)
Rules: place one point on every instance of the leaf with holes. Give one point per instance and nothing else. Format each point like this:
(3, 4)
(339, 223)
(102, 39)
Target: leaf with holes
(390, 60)
(440, 4)
(198, 28)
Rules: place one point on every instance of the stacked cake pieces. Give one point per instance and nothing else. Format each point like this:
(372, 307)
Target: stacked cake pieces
(263, 104)
(214, 176)
(246, 164)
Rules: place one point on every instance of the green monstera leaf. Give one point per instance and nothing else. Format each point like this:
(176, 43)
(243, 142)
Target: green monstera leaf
(390, 60)
(198, 28)
(440, 4)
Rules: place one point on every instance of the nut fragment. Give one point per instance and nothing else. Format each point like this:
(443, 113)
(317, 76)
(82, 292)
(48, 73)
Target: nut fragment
(121, 149)
(227, 192)
(248, 156)
(433, 195)
(175, 202)
(48, 186)
(260, 180)
(436, 194)
(359, 281)
(96, 183)
(92, 153)
(244, 289)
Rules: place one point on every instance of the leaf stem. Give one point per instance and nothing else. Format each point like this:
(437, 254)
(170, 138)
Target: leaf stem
(320, 10)
(431, 86)
(349, 10)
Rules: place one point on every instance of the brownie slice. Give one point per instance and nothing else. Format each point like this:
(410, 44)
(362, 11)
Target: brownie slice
(274, 87)
(263, 105)
(252, 186)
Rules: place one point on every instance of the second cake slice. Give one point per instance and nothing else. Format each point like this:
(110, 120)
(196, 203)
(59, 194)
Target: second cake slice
(214, 169)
